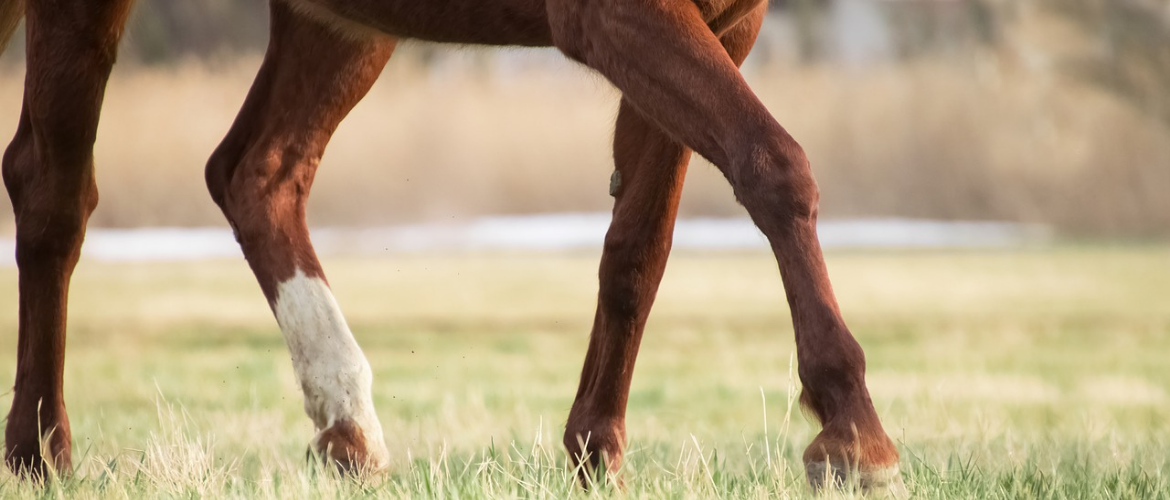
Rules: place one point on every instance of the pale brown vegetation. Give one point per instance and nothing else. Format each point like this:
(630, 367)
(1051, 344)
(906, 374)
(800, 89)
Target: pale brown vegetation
(990, 135)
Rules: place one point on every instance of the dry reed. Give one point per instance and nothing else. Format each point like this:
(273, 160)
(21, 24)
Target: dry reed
(476, 132)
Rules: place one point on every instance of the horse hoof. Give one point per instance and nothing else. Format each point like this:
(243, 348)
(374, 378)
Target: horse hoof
(884, 482)
(344, 446)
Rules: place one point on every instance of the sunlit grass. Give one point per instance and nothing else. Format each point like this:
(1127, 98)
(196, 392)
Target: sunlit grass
(1023, 374)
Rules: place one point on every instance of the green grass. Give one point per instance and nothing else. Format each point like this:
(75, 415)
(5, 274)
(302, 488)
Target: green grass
(1023, 374)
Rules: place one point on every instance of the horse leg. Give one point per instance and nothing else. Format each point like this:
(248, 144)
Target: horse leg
(648, 179)
(671, 66)
(48, 172)
(260, 177)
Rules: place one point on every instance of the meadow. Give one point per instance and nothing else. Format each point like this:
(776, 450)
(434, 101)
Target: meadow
(1028, 373)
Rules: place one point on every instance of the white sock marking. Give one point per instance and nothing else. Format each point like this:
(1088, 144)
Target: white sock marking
(329, 364)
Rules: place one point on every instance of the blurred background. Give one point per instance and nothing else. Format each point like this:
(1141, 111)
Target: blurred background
(1051, 113)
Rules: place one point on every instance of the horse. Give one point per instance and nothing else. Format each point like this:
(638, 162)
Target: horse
(676, 64)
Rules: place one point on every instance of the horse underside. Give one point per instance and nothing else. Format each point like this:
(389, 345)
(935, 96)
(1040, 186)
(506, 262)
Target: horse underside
(676, 64)
(479, 22)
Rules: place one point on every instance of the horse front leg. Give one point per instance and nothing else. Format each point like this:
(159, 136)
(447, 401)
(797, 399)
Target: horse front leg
(48, 172)
(647, 183)
(670, 65)
(260, 176)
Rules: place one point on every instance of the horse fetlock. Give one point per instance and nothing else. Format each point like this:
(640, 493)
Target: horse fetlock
(352, 447)
(878, 482)
(596, 446)
(34, 447)
(37, 459)
(853, 456)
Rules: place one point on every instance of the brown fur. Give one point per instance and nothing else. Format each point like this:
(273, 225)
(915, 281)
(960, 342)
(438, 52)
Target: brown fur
(48, 171)
(675, 62)
(343, 445)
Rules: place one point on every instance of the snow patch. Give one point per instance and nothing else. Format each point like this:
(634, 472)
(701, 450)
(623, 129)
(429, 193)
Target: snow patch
(548, 232)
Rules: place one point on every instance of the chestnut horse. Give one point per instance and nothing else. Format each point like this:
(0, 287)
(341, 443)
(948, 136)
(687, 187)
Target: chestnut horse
(676, 64)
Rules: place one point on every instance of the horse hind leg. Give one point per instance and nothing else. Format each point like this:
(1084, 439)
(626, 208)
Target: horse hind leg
(48, 172)
(670, 65)
(260, 176)
(648, 177)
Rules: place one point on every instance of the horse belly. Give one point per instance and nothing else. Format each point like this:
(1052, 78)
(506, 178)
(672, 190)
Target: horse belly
(484, 22)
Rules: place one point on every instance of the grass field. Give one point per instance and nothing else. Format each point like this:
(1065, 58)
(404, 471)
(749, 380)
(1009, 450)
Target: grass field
(1021, 374)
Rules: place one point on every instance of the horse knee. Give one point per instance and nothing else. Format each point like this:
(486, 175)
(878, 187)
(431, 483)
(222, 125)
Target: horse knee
(774, 177)
(258, 189)
(218, 173)
(50, 224)
(17, 164)
(220, 177)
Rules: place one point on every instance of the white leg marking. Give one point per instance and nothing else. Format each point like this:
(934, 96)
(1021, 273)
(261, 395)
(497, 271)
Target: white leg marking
(329, 364)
